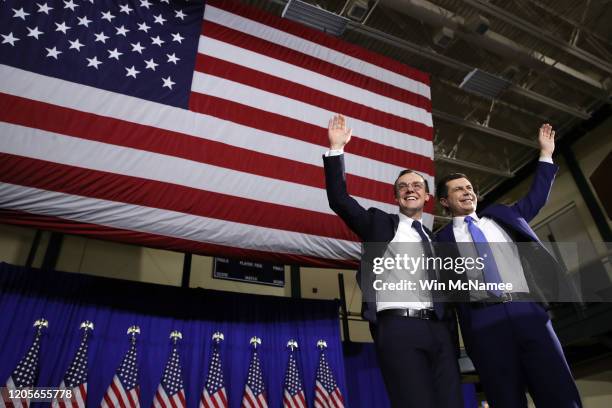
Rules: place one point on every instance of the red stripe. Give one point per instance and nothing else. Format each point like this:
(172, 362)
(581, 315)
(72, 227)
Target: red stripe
(181, 397)
(172, 401)
(302, 397)
(221, 393)
(164, 242)
(108, 400)
(279, 124)
(89, 126)
(115, 389)
(282, 53)
(159, 399)
(270, 83)
(132, 190)
(83, 391)
(320, 38)
(133, 403)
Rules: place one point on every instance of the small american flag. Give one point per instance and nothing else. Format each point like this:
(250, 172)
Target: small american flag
(327, 393)
(171, 392)
(26, 373)
(293, 394)
(254, 391)
(75, 378)
(214, 394)
(124, 391)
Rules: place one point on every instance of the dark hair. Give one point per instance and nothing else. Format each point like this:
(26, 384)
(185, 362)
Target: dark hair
(442, 188)
(408, 171)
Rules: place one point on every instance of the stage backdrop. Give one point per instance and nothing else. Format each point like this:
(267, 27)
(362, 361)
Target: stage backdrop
(66, 300)
(198, 128)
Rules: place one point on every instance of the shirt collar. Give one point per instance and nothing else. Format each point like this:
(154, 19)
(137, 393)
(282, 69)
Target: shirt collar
(407, 220)
(458, 222)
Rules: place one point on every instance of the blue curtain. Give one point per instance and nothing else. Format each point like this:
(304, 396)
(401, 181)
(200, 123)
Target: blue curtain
(67, 299)
(365, 381)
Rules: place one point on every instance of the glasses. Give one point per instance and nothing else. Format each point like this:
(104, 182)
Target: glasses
(416, 186)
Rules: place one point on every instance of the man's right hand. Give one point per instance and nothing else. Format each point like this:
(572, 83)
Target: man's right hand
(339, 135)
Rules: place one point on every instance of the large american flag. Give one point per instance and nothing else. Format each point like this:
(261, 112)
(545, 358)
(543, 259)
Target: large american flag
(327, 393)
(214, 394)
(75, 379)
(171, 392)
(197, 128)
(255, 390)
(124, 390)
(293, 391)
(24, 376)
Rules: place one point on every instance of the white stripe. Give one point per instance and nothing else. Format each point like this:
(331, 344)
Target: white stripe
(105, 103)
(246, 401)
(291, 108)
(172, 224)
(11, 386)
(313, 49)
(54, 147)
(161, 394)
(76, 392)
(218, 398)
(135, 398)
(336, 398)
(289, 400)
(122, 395)
(177, 400)
(312, 79)
(111, 393)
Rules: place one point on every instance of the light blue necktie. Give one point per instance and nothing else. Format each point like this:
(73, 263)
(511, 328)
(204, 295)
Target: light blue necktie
(490, 271)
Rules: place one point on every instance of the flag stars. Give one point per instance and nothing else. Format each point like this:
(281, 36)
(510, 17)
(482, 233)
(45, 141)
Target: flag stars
(34, 32)
(137, 47)
(70, 5)
(158, 19)
(180, 14)
(114, 54)
(84, 21)
(43, 8)
(62, 27)
(131, 72)
(157, 41)
(151, 64)
(145, 4)
(53, 52)
(76, 44)
(178, 38)
(168, 83)
(143, 27)
(122, 31)
(20, 14)
(108, 16)
(173, 58)
(125, 9)
(101, 37)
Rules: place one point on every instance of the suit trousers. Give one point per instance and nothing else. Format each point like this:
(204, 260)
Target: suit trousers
(418, 361)
(514, 349)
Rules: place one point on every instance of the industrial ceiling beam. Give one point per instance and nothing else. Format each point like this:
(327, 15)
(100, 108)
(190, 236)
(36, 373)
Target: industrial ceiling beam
(485, 129)
(539, 33)
(474, 166)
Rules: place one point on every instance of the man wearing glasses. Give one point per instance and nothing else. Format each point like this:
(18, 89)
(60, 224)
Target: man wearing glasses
(414, 338)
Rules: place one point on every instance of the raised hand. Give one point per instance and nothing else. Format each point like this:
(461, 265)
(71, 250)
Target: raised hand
(339, 135)
(547, 140)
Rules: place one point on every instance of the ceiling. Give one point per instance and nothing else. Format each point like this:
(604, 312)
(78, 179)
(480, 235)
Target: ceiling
(556, 54)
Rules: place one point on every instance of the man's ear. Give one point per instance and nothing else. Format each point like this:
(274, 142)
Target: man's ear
(444, 202)
(427, 197)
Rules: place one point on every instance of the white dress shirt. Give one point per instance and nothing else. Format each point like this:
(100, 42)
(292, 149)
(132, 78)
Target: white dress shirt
(405, 233)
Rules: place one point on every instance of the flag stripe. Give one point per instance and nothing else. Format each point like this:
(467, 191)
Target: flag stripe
(42, 145)
(120, 133)
(298, 111)
(170, 223)
(367, 151)
(49, 222)
(325, 99)
(104, 103)
(265, 57)
(291, 35)
(301, 62)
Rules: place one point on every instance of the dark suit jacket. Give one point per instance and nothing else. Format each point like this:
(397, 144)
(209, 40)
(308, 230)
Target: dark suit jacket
(371, 225)
(542, 271)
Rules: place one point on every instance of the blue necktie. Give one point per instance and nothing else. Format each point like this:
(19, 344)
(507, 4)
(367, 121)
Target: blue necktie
(431, 273)
(490, 271)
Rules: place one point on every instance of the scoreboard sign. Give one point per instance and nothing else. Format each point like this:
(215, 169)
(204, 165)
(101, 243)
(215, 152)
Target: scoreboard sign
(247, 271)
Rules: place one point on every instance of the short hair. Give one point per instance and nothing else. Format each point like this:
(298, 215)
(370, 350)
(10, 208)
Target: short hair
(442, 188)
(408, 171)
